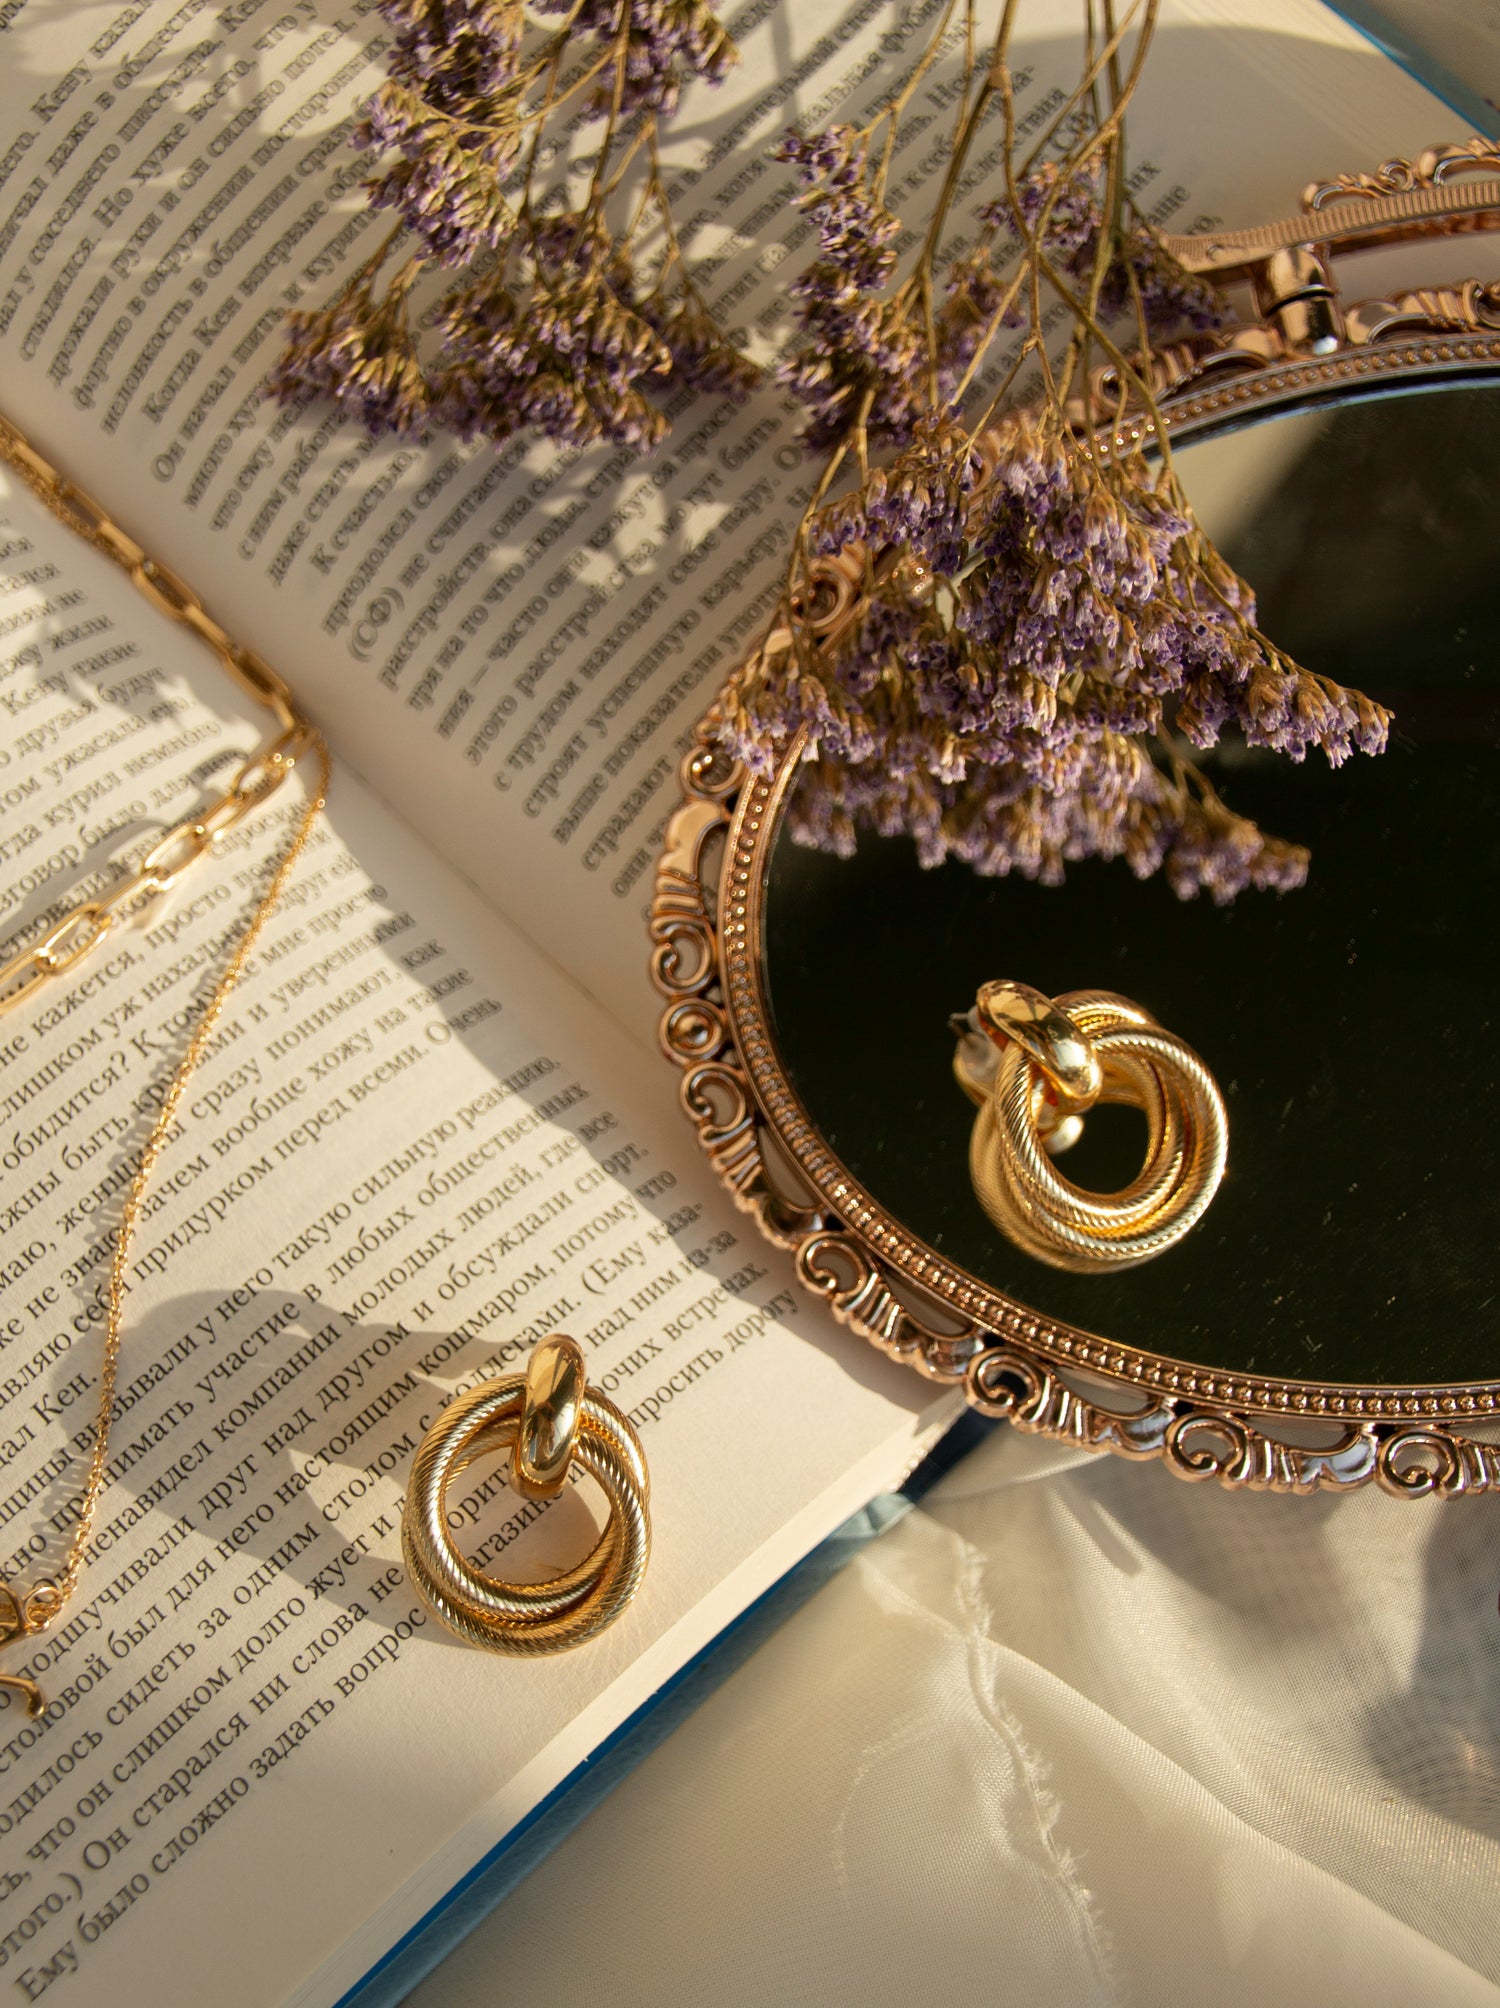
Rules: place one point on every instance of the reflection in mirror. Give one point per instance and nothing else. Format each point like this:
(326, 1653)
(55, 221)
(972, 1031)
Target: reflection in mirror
(1348, 1024)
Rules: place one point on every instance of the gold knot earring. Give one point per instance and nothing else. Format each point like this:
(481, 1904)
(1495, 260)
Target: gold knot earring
(545, 1418)
(1035, 1065)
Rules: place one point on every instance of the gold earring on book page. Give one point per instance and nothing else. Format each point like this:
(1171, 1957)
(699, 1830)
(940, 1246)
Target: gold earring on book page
(546, 1418)
(1035, 1065)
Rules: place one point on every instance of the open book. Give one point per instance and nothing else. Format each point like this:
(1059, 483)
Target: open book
(433, 1129)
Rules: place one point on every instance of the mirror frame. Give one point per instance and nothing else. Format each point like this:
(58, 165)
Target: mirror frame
(1301, 345)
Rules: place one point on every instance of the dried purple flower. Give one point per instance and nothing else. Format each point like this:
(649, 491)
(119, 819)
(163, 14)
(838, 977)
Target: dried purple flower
(567, 364)
(1039, 615)
(358, 351)
(1068, 196)
(1065, 204)
(698, 352)
(547, 326)
(835, 157)
(458, 54)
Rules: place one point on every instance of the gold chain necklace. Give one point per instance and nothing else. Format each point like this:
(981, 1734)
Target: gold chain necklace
(24, 1613)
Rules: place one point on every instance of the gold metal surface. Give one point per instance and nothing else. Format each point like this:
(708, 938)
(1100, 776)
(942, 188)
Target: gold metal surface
(550, 1415)
(565, 1610)
(922, 1310)
(88, 925)
(1016, 1016)
(79, 932)
(1248, 1431)
(13, 1626)
(1131, 1060)
(1444, 191)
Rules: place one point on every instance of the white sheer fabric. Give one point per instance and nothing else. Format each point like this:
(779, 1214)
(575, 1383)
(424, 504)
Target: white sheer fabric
(1071, 1732)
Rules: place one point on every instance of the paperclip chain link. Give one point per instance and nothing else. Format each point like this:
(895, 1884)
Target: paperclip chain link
(89, 924)
(79, 932)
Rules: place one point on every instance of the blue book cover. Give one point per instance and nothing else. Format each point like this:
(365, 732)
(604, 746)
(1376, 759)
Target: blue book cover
(1451, 46)
(490, 1881)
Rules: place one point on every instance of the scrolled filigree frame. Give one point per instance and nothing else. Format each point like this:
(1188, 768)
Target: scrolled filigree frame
(1249, 1431)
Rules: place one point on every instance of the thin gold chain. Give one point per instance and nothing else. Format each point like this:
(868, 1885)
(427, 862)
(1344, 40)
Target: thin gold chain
(87, 925)
(84, 927)
(81, 931)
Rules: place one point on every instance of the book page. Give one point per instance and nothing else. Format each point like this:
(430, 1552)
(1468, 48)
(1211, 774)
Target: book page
(512, 646)
(413, 1151)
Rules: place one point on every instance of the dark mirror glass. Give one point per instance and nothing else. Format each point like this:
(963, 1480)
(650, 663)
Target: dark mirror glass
(1350, 1024)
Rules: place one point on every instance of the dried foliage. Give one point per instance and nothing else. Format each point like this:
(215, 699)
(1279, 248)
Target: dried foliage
(1044, 630)
(558, 308)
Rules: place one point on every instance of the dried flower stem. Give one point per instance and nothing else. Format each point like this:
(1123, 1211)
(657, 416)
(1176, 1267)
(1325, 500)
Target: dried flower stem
(553, 313)
(1043, 620)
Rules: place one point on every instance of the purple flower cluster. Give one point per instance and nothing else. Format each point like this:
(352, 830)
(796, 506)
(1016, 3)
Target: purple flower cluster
(975, 306)
(456, 53)
(1038, 618)
(1069, 568)
(699, 354)
(1206, 848)
(997, 829)
(447, 189)
(1043, 624)
(448, 114)
(917, 501)
(1069, 196)
(860, 361)
(545, 328)
(359, 354)
(664, 40)
(567, 364)
(1064, 204)
(1172, 299)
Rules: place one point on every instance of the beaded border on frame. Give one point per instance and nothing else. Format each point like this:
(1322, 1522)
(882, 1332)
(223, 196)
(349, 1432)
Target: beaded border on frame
(1248, 1431)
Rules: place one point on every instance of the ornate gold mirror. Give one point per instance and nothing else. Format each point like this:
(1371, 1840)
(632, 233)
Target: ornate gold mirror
(1334, 1318)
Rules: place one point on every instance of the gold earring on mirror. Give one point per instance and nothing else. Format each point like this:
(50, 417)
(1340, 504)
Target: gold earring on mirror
(1035, 1065)
(545, 1418)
